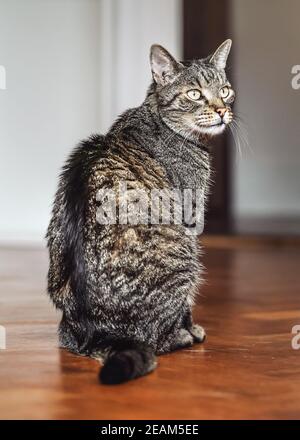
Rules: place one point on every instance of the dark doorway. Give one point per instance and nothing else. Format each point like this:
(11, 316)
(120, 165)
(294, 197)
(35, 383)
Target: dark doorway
(206, 26)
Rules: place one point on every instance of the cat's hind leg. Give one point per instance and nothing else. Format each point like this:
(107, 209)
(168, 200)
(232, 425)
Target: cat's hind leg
(198, 333)
(196, 330)
(181, 338)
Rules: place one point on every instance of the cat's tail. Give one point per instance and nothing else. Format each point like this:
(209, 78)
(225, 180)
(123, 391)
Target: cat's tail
(127, 363)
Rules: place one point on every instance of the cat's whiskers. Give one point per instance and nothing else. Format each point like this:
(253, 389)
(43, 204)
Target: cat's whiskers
(242, 127)
(235, 136)
(239, 135)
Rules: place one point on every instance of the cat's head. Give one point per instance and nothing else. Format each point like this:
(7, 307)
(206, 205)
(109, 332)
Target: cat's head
(194, 97)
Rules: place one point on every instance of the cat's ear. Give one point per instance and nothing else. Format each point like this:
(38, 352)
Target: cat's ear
(164, 67)
(220, 56)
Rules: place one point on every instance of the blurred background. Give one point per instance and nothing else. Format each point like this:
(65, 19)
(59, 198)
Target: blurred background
(69, 67)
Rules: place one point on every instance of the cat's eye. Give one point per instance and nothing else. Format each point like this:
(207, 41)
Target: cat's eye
(194, 94)
(225, 92)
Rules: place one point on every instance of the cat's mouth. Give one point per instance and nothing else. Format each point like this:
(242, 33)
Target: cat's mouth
(212, 129)
(226, 120)
(214, 124)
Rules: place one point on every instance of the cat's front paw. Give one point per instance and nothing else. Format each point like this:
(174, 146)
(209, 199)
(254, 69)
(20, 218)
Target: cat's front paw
(198, 333)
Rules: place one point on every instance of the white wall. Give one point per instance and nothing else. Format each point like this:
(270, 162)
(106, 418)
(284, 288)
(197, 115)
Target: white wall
(71, 66)
(266, 43)
(49, 50)
(129, 28)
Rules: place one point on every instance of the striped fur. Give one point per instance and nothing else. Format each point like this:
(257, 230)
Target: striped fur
(126, 291)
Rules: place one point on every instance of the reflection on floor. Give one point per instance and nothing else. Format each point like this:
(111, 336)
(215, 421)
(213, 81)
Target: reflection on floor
(246, 368)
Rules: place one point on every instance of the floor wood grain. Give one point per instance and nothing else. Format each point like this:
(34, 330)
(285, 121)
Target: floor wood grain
(246, 368)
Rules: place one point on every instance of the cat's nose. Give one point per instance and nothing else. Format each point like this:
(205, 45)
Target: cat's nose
(221, 111)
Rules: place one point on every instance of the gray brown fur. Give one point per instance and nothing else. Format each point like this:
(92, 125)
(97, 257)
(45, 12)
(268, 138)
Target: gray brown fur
(126, 292)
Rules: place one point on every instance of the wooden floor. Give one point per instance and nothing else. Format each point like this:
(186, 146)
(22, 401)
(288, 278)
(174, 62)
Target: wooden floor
(245, 369)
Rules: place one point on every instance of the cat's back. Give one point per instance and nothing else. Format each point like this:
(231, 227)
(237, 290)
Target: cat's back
(99, 162)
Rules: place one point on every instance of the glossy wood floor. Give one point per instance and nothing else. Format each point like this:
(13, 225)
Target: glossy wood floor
(245, 369)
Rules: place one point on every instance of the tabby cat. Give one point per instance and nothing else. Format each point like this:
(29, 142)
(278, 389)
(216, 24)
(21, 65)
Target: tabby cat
(126, 290)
